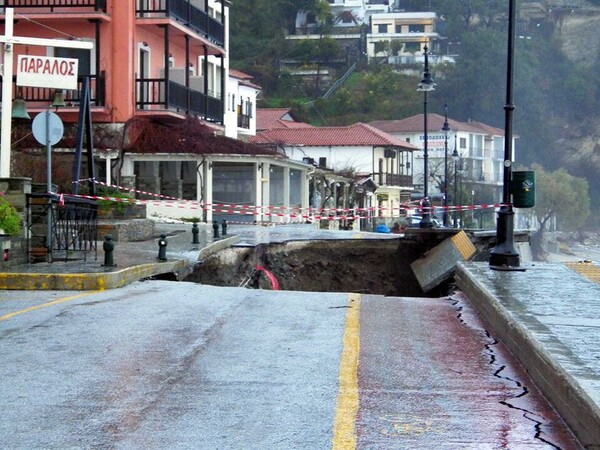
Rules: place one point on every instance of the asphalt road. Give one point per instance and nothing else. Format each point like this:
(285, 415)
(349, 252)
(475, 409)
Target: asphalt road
(165, 365)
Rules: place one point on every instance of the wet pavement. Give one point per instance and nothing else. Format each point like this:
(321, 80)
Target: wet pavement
(441, 381)
(549, 318)
(164, 365)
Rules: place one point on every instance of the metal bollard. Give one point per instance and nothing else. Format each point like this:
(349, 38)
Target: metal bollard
(224, 227)
(195, 233)
(108, 246)
(162, 247)
(215, 229)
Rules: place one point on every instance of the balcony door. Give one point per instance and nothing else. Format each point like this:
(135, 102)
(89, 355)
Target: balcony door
(82, 55)
(146, 94)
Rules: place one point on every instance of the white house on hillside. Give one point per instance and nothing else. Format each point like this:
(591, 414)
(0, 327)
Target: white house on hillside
(380, 27)
(401, 35)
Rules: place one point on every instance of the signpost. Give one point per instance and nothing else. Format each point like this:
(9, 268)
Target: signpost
(48, 129)
(46, 72)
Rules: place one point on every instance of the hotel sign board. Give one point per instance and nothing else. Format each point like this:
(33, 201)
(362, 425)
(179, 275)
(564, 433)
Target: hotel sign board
(47, 72)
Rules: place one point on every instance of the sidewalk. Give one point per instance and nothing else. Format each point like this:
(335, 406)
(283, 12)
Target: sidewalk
(549, 318)
(133, 261)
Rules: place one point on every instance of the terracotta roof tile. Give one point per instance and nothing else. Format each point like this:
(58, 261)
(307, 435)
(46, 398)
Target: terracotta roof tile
(240, 75)
(358, 134)
(269, 118)
(435, 122)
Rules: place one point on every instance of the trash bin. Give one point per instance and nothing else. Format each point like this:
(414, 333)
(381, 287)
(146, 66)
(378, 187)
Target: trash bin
(523, 189)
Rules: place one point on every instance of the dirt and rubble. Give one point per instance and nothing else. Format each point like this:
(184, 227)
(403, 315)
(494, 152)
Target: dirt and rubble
(364, 266)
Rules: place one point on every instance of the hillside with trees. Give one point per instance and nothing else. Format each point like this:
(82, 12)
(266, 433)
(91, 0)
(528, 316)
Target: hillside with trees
(556, 89)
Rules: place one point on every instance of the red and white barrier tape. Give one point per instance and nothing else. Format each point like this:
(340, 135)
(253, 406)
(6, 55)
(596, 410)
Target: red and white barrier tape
(312, 214)
(293, 210)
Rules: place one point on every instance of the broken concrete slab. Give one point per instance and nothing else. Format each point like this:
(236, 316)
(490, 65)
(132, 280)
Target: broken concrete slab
(437, 265)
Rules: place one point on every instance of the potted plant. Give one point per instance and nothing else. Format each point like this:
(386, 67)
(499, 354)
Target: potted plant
(10, 221)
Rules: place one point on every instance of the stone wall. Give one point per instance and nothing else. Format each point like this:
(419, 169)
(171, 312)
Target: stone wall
(126, 230)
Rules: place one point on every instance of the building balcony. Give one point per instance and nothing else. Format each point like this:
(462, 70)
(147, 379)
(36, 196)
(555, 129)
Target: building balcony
(393, 179)
(41, 97)
(55, 6)
(160, 94)
(183, 12)
(243, 121)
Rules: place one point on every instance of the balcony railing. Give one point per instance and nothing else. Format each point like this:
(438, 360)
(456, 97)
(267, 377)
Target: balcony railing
(187, 14)
(155, 93)
(54, 5)
(72, 98)
(393, 179)
(243, 121)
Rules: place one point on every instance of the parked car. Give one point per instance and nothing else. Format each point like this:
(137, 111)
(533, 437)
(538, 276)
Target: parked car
(415, 221)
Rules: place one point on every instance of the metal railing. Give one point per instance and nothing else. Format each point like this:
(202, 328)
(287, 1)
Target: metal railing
(73, 227)
(243, 121)
(168, 95)
(187, 14)
(72, 98)
(340, 81)
(52, 5)
(393, 179)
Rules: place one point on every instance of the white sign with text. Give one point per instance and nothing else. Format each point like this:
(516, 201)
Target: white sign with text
(47, 72)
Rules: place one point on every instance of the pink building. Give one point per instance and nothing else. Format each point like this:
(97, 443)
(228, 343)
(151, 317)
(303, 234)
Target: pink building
(159, 62)
(158, 59)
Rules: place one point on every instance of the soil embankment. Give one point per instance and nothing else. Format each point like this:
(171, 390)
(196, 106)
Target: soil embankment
(365, 266)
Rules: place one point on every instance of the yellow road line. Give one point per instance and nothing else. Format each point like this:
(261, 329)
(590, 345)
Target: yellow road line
(45, 305)
(344, 430)
(587, 269)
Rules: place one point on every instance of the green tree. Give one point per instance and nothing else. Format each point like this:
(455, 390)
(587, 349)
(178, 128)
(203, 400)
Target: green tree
(322, 52)
(256, 39)
(467, 86)
(471, 14)
(563, 196)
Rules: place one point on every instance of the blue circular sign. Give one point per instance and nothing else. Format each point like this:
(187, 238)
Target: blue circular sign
(50, 134)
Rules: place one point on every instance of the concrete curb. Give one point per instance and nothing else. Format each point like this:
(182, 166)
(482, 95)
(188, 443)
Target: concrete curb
(575, 406)
(88, 281)
(110, 279)
(216, 246)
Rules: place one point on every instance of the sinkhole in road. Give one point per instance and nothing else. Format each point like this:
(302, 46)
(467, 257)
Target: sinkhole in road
(370, 266)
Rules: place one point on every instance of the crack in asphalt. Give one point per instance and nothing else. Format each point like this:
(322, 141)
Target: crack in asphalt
(537, 419)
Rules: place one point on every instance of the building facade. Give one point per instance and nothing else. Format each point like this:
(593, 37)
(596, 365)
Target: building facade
(401, 36)
(157, 59)
(480, 166)
(240, 107)
(162, 62)
(379, 27)
(359, 151)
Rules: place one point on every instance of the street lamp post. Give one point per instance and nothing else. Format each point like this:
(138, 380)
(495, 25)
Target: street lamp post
(426, 85)
(446, 130)
(455, 158)
(504, 255)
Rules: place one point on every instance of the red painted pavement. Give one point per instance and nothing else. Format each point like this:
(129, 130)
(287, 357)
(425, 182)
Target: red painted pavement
(431, 377)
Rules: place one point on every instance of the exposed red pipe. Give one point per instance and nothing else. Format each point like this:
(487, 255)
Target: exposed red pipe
(270, 276)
